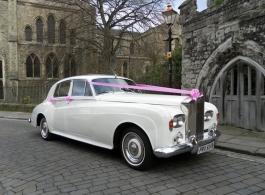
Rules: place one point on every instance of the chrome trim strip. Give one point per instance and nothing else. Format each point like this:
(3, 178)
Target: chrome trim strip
(187, 147)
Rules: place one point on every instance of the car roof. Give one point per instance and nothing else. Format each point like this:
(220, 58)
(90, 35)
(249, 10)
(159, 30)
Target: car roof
(90, 77)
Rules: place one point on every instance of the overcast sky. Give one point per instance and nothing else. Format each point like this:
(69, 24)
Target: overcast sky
(201, 4)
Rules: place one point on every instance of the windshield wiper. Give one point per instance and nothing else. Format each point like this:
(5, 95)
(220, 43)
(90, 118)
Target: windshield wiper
(127, 90)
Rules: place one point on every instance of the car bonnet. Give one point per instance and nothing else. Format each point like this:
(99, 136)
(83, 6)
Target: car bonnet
(143, 98)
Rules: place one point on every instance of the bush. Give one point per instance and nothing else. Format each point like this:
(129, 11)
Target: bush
(26, 100)
(16, 107)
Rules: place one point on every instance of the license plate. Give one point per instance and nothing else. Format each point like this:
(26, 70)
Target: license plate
(205, 148)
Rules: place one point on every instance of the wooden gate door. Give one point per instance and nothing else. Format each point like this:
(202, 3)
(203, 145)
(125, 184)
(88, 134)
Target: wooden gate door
(239, 96)
(1, 81)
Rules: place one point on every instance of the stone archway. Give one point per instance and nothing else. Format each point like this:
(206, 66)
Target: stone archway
(238, 92)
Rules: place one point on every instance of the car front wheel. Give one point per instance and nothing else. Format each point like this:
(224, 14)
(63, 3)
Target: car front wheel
(44, 130)
(136, 149)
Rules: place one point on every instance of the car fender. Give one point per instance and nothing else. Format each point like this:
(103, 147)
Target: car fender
(152, 119)
(41, 109)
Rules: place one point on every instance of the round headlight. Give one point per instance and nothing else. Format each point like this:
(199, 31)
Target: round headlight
(208, 115)
(178, 120)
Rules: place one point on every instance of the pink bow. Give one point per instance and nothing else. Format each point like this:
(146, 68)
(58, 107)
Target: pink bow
(68, 99)
(52, 100)
(195, 94)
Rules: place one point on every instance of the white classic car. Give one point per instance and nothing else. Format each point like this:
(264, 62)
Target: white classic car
(111, 112)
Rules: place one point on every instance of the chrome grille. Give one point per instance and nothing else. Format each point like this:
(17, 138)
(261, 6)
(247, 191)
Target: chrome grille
(200, 118)
(194, 117)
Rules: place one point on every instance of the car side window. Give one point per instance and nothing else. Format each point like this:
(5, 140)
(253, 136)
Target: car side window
(62, 89)
(78, 88)
(88, 91)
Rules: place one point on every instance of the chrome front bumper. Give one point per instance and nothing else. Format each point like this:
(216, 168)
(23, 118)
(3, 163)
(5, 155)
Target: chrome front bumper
(191, 146)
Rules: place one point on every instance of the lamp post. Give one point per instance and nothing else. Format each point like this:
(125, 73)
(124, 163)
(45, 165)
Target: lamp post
(170, 16)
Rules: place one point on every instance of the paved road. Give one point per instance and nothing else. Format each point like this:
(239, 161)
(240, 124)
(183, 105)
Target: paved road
(31, 166)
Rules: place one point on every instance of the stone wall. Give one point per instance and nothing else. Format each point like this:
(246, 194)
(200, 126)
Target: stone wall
(28, 14)
(217, 35)
(15, 16)
(4, 35)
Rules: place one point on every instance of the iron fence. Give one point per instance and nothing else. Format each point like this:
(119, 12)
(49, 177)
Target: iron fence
(24, 94)
(36, 94)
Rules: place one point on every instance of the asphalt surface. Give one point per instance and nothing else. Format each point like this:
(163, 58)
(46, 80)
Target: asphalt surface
(232, 138)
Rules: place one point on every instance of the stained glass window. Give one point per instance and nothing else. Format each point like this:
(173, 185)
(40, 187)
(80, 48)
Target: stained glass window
(51, 29)
(39, 33)
(70, 67)
(62, 28)
(28, 33)
(72, 38)
(52, 66)
(33, 66)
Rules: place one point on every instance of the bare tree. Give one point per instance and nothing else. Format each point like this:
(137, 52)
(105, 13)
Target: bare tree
(108, 21)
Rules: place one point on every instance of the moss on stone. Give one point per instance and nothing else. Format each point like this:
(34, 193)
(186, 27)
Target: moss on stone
(218, 2)
(17, 107)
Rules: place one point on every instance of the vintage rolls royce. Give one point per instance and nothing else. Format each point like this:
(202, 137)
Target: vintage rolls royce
(110, 111)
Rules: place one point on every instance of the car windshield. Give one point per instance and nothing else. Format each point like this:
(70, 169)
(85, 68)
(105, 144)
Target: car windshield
(106, 89)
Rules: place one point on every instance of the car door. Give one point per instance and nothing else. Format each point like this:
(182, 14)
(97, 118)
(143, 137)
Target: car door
(79, 110)
(60, 106)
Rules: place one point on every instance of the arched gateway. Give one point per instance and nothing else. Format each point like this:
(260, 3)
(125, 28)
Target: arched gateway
(223, 57)
(239, 93)
(1, 81)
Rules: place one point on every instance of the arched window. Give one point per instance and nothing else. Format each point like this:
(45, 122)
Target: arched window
(1, 90)
(28, 33)
(52, 66)
(62, 28)
(51, 29)
(143, 49)
(1, 70)
(124, 69)
(39, 33)
(70, 67)
(33, 66)
(72, 38)
(132, 48)
(118, 51)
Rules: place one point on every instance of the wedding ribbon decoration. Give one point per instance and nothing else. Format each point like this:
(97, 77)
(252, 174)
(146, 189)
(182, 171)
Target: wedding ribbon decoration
(68, 99)
(193, 93)
(52, 100)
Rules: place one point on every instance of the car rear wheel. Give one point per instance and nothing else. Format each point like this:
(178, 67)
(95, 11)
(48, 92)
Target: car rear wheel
(44, 130)
(136, 149)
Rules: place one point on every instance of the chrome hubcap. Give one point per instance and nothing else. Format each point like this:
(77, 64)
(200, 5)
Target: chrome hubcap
(44, 129)
(133, 148)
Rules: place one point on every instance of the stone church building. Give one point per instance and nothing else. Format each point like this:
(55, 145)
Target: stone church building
(224, 56)
(38, 45)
